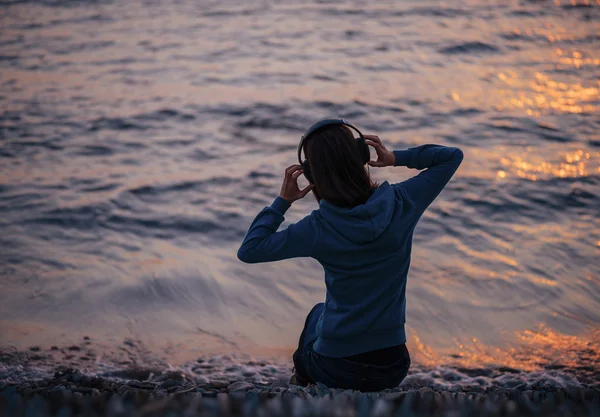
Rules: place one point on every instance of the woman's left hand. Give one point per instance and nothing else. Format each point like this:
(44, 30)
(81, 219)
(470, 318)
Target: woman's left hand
(289, 189)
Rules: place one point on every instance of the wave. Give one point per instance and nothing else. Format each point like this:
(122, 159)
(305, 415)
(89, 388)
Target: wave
(115, 123)
(542, 200)
(446, 12)
(473, 48)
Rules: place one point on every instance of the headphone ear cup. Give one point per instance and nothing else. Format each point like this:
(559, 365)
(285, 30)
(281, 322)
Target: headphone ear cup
(307, 173)
(363, 148)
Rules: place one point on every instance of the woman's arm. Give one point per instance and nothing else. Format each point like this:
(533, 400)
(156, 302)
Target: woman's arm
(441, 163)
(264, 244)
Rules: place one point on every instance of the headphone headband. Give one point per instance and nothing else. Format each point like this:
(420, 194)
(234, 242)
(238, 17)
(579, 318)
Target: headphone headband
(321, 125)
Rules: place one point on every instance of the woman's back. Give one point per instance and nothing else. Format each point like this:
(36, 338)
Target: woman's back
(365, 252)
(364, 247)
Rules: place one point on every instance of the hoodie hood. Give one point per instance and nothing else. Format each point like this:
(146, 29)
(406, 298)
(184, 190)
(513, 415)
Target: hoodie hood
(365, 222)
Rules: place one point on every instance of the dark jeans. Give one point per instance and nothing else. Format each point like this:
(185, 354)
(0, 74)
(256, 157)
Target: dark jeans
(339, 372)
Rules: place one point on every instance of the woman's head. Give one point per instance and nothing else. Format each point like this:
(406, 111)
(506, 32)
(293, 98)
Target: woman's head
(336, 167)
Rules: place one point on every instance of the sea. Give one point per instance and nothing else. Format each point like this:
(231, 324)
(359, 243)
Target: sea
(139, 139)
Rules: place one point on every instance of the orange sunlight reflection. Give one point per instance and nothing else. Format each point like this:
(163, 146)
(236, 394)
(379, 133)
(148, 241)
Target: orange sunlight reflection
(546, 94)
(577, 59)
(574, 2)
(578, 163)
(536, 349)
(421, 353)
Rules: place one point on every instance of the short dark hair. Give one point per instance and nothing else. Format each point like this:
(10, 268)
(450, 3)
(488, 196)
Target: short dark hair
(337, 170)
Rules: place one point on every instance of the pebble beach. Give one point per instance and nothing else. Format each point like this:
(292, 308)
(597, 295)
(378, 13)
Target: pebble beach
(75, 381)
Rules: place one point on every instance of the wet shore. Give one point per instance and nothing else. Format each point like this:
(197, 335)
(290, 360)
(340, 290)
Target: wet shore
(69, 392)
(37, 383)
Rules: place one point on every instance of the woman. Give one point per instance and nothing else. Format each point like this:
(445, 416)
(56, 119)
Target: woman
(362, 236)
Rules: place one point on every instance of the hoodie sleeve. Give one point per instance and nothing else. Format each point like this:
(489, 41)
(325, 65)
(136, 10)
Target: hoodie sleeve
(441, 163)
(263, 243)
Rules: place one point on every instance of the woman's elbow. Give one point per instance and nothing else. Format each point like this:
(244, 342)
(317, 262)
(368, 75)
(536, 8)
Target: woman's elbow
(245, 256)
(458, 153)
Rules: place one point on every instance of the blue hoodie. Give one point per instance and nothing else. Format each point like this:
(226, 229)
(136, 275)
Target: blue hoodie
(364, 250)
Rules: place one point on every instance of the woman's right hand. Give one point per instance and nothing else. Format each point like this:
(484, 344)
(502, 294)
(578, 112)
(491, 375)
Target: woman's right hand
(289, 189)
(385, 157)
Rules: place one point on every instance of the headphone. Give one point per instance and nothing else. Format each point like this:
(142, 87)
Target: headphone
(321, 125)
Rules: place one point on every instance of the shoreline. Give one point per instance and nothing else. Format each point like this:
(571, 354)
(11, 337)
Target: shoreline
(70, 392)
(133, 382)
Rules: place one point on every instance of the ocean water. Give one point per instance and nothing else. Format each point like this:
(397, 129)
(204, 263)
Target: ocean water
(138, 140)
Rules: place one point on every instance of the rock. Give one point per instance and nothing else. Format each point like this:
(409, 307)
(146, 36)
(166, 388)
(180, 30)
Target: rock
(224, 404)
(280, 382)
(424, 390)
(446, 397)
(174, 375)
(506, 369)
(526, 404)
(322, 389)
(240, 386)
(143, 384)
(437, 400)
(461, 398)
(76, 377)
(427, 397)
(169, 383)
(123, 389)
(320, 385)
(202, 379)
(114, 406)
(456, 388)
(34, 348)
(394, 396)
(381, 408)
(272, 369)
(510, 408)
(218, 383)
